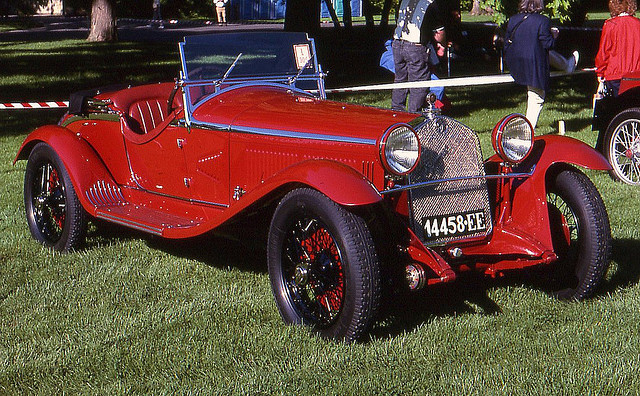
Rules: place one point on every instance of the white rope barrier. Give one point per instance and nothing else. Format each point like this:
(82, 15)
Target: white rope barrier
(445, 82)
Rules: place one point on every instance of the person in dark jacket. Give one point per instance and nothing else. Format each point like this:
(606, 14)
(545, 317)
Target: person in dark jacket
(528, 40)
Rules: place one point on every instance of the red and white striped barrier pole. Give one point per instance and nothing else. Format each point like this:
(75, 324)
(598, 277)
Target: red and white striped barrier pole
(34, 105)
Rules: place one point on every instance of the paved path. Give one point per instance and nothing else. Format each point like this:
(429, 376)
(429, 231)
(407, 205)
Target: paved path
(60, 28)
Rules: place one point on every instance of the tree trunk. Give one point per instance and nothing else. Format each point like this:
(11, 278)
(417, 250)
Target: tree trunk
(475, 9)
(367, 10)
(302, 16)
(332, 12)
(103, 21)
(384, 18)
(346, 14)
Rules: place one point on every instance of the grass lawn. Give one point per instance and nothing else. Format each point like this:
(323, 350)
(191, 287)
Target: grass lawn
(595, 18)
(7, 24)
(133, 314)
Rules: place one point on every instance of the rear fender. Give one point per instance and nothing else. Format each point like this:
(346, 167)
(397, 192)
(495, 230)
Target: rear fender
(529, 216)
(84, 166)
(605, 109)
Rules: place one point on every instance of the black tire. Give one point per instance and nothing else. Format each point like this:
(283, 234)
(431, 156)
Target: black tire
(323, 266)
(581, 235)
(622, 146)
(55, 216)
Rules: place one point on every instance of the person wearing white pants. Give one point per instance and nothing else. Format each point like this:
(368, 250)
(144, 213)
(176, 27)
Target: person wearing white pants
(535, 100)
(528, 55)
(535, 96)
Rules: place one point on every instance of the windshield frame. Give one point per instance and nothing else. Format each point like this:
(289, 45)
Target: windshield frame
(192, 47)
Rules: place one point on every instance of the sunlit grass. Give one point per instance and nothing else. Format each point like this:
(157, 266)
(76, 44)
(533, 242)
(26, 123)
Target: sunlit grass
(593, 18)
(52, 70)
(133, 314)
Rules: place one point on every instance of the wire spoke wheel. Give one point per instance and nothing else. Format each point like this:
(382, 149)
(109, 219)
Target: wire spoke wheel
(323, 266)
(623, 146)
(48, 202)
(313, 272)
(580, 235)
(565, 235)
(54, 214)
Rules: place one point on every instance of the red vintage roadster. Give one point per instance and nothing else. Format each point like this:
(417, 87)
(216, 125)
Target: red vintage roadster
(354, 194)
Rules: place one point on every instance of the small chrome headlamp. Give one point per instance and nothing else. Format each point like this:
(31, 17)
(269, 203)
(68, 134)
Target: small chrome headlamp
(512, 138)
(400, 149)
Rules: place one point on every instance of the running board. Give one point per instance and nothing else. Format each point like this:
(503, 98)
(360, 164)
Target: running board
(143, 219)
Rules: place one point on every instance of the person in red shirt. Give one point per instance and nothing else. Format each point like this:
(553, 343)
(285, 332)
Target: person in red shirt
(619, 51)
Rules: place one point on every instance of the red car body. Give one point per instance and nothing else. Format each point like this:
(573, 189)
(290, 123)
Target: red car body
(156, 158)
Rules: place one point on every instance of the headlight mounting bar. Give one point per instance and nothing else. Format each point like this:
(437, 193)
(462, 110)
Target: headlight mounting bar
(397, 188)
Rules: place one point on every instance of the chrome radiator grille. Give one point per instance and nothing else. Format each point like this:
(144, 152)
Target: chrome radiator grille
(451, 210)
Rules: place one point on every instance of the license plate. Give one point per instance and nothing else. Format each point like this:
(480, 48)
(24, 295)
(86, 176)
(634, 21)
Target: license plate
(453, 225)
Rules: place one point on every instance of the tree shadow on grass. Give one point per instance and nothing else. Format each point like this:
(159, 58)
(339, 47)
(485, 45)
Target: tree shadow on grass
(502, 98)
(627, 272)
(406, 311)
(227, 247)
(21, 122)
(577, 124)
(241, 245)
(51, 71)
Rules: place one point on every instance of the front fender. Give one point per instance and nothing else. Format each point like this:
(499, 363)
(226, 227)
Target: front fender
(82, 163)
(553, 149)
(529, 212)
(341, 183)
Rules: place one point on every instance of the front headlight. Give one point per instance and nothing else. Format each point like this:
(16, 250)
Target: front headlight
(400, 149)
(512, 138)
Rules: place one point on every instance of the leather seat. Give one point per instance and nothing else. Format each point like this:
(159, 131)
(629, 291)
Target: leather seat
(148, 114)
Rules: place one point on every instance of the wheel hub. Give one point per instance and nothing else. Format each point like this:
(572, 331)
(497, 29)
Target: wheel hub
(628, 153)
(40, 201)
(633, 151)
(301, 274)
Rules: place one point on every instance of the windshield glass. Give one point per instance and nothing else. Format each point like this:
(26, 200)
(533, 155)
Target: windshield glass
(264, 55)
(217, 61)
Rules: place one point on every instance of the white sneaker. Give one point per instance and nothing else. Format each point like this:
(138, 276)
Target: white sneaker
(573, 62)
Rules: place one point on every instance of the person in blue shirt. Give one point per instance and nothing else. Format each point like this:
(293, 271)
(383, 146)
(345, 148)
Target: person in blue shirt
(419, 35)
(386, 61)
